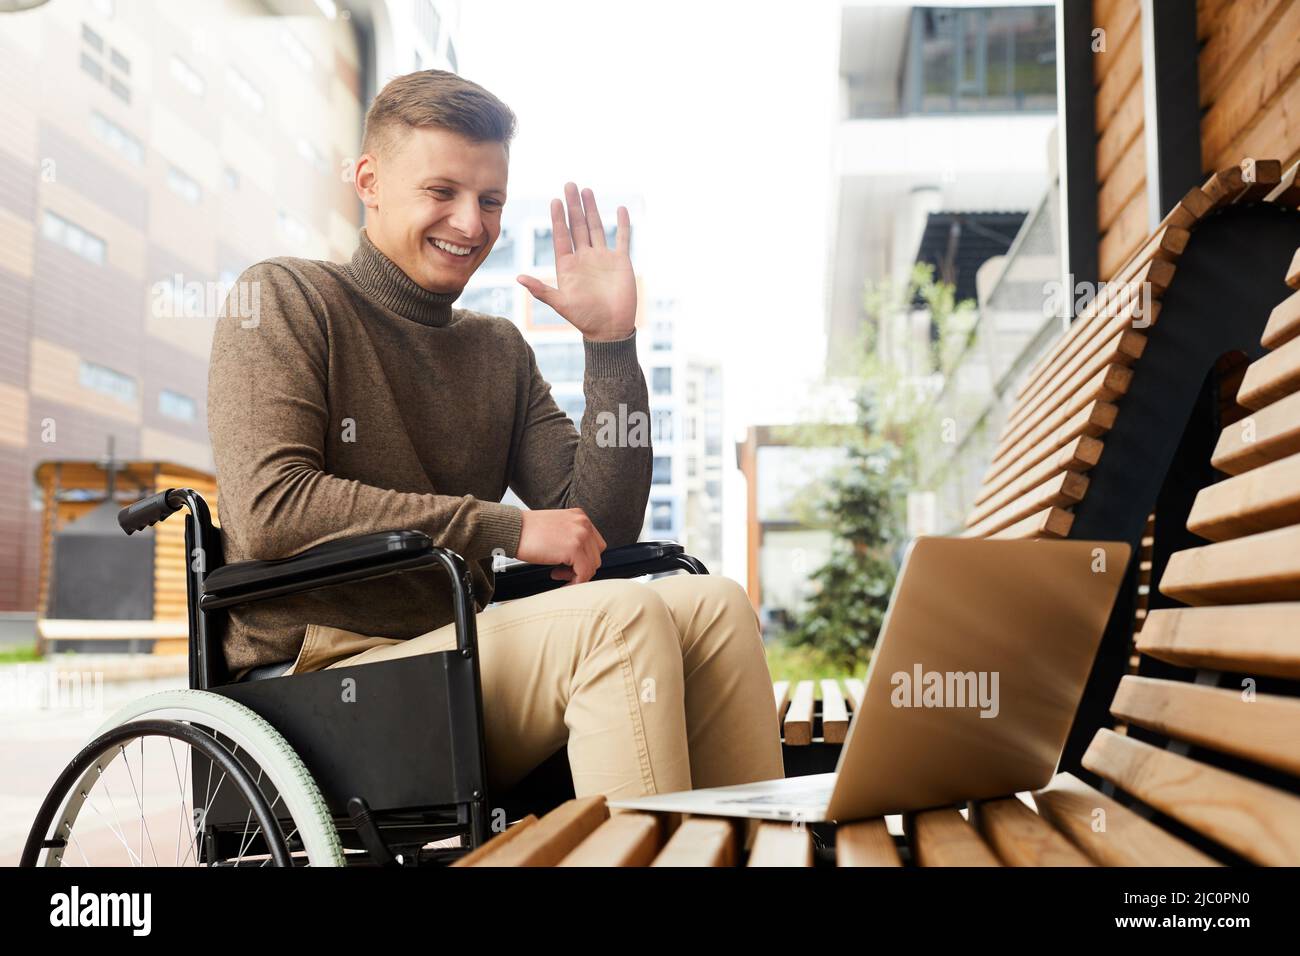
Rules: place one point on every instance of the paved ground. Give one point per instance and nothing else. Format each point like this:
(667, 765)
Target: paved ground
(43, 724)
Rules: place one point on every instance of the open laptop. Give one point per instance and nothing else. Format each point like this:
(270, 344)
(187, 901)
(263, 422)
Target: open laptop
(980, 665)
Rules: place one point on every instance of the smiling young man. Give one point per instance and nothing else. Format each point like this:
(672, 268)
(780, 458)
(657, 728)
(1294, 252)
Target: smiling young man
(359, 400)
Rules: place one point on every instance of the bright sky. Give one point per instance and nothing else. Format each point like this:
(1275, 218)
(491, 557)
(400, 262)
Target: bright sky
(720, 114)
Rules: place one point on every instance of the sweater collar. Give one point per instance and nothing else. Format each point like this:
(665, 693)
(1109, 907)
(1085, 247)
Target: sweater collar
(385, 282)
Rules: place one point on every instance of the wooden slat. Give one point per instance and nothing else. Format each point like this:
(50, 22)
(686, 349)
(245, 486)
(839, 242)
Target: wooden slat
(1052, 523)
(799, 716)
(1268, 435)
(1125, 179)
(1121, 74)
(1260, 567)
(625, 839)
(1262, 729)
(1114, 837)
(1284, 321)
(1271, 377)
(1261, 177)
(1021, 837)
(1245, 638)
(1224, 186)
(781, 693)
(780, 844)
(553, 837)
(1286, 192)
(1124, 348)
(1209, 13)
(1189, 210)
(1259, 822)
(943, 838)
(866, 843)
(1262, 499)
(1124, 237)
(1062, 491)
(476, 856)
(1117, 138)
(1275, 133)
(1079, 455)
(856, 689)
(835, 715)
(1115, 298)
(1118, 18)
(700, 841)
(1107, 385)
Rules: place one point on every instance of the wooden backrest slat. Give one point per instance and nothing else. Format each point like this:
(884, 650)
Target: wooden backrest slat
(799, 715)
(1261, 177)
(1270, 434)
(1105, 385)
(1286, 192)
(865, 843)
(1272, 377)
(1259, 822)
(781, 693)
(1093, 421)
(1109, 832)
(1063, 490)
(1264, 728)
(700, 841)
(781, 844)
(1259, 567)
(943, 838)
(856, 689)
(1052, 523)
(835, 715)
(1243, 638)
(1283, 322)
(1262, 499)
(1080, 455)
(1020, 837)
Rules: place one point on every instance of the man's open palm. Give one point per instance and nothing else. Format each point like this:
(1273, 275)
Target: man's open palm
(597, 289)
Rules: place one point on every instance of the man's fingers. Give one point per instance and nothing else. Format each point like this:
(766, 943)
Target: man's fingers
(540, 290)
(577, 218)
(594, 226)
(559, 232)
(623, 237)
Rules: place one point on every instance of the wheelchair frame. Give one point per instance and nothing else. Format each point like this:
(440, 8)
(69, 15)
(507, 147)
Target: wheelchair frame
(428, 781)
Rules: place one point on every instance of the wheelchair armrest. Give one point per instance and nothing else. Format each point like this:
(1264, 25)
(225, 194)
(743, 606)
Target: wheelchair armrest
(630, 561)
(335, 562)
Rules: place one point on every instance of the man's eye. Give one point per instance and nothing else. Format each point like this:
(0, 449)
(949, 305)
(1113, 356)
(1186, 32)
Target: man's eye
(441, 193)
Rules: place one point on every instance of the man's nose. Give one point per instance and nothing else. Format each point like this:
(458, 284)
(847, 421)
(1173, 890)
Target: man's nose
(467, 220)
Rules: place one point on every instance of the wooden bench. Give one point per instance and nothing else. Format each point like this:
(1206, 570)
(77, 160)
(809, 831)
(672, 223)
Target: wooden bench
(1198, 760)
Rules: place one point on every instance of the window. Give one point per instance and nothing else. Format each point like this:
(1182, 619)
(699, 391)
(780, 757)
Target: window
(183, 186)
(560, 361)
(712, 432)
(662, 425)
(692, 466)
(120, 62)
(663, 471)
(544, 316)
(245, 90)
(91, 66)
(106, 381)
(183, 74)
(661, 378)
(661, 516)
(73, 237)
(119, 89)
(662, 336)
(502, 255)
(1000, 59)
(116, 138)
(713, 488)
(92, 39)
(176, 405)
(490, 300)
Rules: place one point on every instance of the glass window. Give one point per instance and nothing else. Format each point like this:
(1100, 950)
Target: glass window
(183, 186)
(106, 381)
(92, 39)
(245, 90)
(662, 336)
(661, 378)
(183, 74)
(91, 66)
(662, 425)
(116, 138)
(490, 300)
(560, 361)
(999, 59)
(120, 62)
(661, 516)
(178, 406)
(73, 238)
(119, 89)
(663, 470)
(502, 255)
(543, 316)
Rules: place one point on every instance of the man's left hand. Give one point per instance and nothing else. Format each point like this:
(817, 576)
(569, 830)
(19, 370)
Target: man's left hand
(597, 288)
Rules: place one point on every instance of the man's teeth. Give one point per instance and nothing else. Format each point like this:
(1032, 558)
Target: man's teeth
(454, 250)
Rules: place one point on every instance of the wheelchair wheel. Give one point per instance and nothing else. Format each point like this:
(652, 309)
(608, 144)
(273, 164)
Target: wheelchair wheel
(184, 778)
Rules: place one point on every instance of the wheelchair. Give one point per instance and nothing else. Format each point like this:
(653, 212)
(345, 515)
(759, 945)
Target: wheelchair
(353, 766)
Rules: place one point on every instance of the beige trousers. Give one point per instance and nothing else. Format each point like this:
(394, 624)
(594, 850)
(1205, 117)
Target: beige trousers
(655, 687)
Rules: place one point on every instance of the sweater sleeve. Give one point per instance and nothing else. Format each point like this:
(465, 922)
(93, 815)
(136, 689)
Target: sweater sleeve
(604, 469)
(267, 419)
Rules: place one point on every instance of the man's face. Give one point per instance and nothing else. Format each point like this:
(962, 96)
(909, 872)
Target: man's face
(435, 187)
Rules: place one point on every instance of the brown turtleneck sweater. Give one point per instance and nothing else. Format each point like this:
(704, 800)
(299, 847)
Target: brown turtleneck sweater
(358, 401)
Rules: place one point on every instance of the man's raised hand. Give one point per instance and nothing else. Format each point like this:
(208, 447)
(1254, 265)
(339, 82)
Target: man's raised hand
(597, 288)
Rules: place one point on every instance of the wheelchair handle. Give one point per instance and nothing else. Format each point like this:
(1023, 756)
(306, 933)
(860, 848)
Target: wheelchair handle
(151, 510)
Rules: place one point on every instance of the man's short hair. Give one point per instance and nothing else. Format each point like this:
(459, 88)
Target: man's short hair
(439, 99)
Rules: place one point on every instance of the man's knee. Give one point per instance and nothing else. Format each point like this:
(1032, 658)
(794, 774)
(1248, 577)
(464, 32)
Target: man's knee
(639, 615)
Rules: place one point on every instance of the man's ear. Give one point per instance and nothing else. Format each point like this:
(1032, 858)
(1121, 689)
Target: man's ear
(365, 178)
